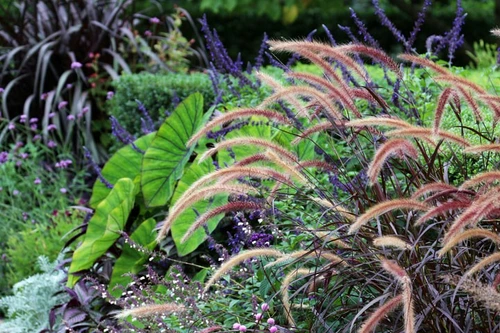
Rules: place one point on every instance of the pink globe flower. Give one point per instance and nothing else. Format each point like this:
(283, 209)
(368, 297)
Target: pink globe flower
(62, 105)
(76, 64)
(273, 329)
(243, 328)
(264, 307)
(236, 326)
(271, 321)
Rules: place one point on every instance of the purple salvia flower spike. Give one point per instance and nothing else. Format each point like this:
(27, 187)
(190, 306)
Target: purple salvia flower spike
(96, 168)
(385, 21)
(259, 61)
(363, 31)
(329, 35)
(147, 117)
(121, 134)
(418, 23)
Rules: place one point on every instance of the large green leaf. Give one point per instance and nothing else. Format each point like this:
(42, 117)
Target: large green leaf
(132, 260)
(164, 161)
(104, 227)
(126, 162)
(186, 219)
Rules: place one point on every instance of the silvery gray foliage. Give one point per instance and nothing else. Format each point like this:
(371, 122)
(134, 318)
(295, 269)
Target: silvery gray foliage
(27, 311)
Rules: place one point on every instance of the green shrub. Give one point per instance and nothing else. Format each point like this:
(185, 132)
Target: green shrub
(24, 247)
(156, 92)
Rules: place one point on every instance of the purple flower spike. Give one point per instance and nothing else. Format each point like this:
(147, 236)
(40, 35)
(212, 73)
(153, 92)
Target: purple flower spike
(51, 144)
(11, 126)
(70, 117)
(23, 118)
(33, 120)
(51, 115)
(148, 33)
(1, 90)
(51, 127)
(76, 64)
(154, 20)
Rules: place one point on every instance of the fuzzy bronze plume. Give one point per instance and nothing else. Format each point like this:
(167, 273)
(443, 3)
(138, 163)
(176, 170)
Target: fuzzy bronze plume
(285, 297)
(373, 53)
(385, 207)
(400, 147)
(468, 234)
(238, 259)
(322, 98)
(484, 262)
(483, 177)
(425, 63)
(426, 134)
(438, 113)
(250, 141)
(400, 274)
(384, 310)
(477, 149)
(151, 310)
(324, 50)
(432, 187)
(340, 94)
(441, 210)
(392, 241)
(237, 114)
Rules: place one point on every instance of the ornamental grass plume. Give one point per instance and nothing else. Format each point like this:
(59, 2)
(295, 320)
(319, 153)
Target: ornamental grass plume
(285, 297)
(152, 310)
(385, 207)
(398, 147)
(471, 233)
(392, 241)
(250, 141)
(373, 320)
(238, 259)
(234, 115)
(407, 300)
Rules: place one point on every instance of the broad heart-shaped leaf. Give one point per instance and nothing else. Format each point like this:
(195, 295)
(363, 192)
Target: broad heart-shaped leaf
(131, 260)
(194, 172)
(164, 161)
(125, 163)
(104, 227)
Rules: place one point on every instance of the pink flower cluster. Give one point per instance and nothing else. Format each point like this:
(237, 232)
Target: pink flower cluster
(63, 164)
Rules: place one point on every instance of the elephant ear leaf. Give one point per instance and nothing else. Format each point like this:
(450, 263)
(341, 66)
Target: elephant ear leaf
(186, 219)
(164, 161)
(104, 227)
(132, 260)
(125, 163)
